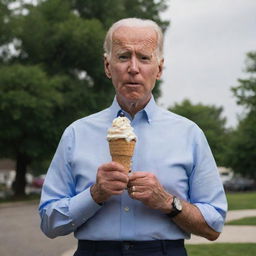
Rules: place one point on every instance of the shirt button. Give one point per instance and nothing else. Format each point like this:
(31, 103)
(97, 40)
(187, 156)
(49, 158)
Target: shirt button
(126, 209)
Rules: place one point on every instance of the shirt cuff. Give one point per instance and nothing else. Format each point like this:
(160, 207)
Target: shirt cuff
(212, 217)
(82, 207)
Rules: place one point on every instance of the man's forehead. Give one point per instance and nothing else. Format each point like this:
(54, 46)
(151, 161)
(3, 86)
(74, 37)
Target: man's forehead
(145, 36)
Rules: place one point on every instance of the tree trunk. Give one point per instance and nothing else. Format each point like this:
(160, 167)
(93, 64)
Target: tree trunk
(19, 184)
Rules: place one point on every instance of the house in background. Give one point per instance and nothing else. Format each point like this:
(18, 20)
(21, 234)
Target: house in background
(7, 172)
(7, 177)
(226, 174)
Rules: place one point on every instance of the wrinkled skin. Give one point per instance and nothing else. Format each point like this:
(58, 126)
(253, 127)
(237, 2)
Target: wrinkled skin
(133, 66)
(145, 187)
(112, 179)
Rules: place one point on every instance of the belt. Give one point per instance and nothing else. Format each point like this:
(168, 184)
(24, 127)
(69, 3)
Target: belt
(136, 245)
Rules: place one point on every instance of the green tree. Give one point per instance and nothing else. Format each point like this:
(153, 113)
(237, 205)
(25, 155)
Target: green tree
(55, 74)
(210, 120)
(109, 11)
(5, 29)
(242, 147)
(4, 13)
(27, 116)
(245, 92)
(242, 152)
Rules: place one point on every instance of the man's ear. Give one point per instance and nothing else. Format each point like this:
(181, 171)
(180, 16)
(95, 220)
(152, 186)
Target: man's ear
(107, 66)
(160, 69)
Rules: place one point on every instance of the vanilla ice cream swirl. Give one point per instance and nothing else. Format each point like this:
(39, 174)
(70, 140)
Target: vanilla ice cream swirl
(121, 129)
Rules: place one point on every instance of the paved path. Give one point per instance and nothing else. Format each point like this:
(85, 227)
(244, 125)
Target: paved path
(20, 234)
(232, 234)
(239, 214)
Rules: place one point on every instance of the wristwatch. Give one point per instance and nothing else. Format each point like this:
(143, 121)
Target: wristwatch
(176, 207)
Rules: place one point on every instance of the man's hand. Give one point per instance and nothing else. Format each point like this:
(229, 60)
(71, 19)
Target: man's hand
(146, 188)
(111, 179)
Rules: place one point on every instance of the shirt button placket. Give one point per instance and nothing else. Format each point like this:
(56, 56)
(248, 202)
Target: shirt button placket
(127, 229)
(126, 209)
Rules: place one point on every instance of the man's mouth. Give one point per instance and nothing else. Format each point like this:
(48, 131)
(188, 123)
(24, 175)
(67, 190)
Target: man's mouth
(132, 84)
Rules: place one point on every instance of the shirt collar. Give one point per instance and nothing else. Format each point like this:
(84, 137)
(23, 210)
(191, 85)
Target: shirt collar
(148, 111)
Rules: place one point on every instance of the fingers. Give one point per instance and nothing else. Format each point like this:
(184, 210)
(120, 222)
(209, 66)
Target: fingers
(131, 190)
(112, 179)
(115, 186)
(146, 188)
(113, 166)
(139, 192)
(113, 172)
(137, 189)
(143, 179)
(139, 175)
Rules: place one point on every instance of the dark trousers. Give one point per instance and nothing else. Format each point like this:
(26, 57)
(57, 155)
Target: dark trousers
(131, 248)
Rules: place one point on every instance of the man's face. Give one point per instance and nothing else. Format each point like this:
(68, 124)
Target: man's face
(133, 65)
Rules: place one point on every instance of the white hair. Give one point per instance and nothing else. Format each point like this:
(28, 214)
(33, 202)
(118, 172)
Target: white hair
(134, 22)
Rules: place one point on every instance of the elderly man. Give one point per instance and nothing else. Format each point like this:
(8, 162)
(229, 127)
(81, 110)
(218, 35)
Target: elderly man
(174, 189)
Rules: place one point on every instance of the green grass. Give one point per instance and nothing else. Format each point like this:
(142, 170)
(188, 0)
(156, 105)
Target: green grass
(239, 201)
(228, 249)
(243, 221)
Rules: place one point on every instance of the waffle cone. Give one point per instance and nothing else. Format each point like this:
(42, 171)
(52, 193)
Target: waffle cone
(122, 151)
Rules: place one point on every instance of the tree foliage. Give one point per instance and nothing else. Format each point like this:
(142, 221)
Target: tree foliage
(109, 11)
(242, 147)
(242, 152)
(29, 102)
(245, 92)
(27, 114)
(54, 74)
(4, 12)
(210, 120)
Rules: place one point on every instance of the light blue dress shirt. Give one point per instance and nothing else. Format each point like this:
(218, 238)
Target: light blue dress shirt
(168, 145)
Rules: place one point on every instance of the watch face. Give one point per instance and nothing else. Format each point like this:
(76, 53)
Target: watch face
(177, 204)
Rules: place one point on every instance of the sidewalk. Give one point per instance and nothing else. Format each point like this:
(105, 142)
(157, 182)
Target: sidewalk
(230, 234)
(20, 233)
(239, 214)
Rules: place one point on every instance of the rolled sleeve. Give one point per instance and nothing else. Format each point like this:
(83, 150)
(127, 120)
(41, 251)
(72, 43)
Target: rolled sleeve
(206, 188)
(212, 217)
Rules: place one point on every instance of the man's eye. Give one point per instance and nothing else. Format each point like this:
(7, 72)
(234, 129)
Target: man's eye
(122, 57)
(145, 58)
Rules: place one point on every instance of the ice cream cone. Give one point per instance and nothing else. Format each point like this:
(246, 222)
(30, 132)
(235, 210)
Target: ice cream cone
(121, 151)
(122, 141)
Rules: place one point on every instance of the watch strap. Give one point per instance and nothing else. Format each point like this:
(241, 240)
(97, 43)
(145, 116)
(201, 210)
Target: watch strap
(174, 211)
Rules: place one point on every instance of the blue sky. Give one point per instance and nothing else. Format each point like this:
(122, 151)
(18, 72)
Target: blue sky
(205, 49)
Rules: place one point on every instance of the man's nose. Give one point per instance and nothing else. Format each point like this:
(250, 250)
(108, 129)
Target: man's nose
(133, 66)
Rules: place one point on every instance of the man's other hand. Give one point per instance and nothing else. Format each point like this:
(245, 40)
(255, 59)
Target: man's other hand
(145, 187)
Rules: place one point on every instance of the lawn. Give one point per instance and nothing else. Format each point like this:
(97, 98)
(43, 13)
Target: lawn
(248, 249)
(244, 221)
(241, 200)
